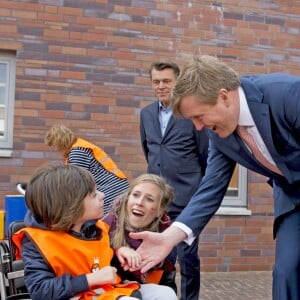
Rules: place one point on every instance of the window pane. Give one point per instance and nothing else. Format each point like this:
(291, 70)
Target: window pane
(2, 102)
(234, 183)
(2, 118)
(7, 95)
(2, 97)
(3, 71)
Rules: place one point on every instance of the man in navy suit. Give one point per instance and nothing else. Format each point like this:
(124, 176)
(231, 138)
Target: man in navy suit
(175, 150)
(211, 94)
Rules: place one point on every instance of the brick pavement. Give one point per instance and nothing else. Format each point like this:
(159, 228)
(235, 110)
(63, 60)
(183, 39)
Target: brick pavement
(236, 285)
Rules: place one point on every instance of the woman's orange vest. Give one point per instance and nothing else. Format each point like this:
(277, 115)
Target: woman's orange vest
(101, 157)
(67, 254)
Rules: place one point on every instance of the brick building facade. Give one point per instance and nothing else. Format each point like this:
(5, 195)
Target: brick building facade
(84, 63)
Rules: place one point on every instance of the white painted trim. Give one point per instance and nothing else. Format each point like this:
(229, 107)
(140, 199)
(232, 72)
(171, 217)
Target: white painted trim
(233, 211)
(5, 153)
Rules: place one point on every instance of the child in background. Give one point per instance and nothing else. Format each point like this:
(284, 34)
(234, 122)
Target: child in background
(76, 151)
(142, 207)
(65, 247)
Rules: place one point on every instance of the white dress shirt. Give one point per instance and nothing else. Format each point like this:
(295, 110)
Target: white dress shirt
(164, 117)
(247, 121)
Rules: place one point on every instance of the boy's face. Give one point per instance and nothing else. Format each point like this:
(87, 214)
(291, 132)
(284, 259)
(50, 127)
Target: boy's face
(93, 205)
(143, 204)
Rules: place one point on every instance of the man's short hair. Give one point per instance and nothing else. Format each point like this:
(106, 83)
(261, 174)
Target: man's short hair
(159, 66)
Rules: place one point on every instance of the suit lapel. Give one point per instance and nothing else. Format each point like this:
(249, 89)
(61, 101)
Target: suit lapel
(260, 114)
(155, 119)
(261, 117)
(171, 123)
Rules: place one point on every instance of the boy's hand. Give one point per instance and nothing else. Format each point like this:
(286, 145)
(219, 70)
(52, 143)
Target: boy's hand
(105, 275)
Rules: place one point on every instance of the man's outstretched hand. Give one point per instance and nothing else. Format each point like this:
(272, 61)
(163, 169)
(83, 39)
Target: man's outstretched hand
(156, 246)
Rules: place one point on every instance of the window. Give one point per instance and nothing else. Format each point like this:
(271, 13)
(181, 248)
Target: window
(235, 200)
(7, 98)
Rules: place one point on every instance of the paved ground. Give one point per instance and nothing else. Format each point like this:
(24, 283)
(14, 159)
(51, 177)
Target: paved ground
(236, 286)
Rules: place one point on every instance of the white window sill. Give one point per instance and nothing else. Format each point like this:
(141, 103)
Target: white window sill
(5, 153)
(233, 211)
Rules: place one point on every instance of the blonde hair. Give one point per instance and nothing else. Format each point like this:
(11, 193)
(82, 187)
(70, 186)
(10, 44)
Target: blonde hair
(55, 195)
(120, 207)
(60, 137)
(203, 77)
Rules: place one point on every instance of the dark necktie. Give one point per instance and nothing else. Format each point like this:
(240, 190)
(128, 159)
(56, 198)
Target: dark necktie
(248, 139)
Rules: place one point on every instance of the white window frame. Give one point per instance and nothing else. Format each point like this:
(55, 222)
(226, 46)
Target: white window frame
(7, 126)
(236, 205)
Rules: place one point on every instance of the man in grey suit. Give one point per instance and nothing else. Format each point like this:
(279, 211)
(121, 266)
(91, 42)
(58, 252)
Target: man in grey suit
(267, 106)
(175, 150)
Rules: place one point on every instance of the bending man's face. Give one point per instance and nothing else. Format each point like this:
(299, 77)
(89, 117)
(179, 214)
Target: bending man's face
(222, 117)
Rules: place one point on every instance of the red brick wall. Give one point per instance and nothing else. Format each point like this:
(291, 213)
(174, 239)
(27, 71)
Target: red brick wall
(242, 243)
(85, 64)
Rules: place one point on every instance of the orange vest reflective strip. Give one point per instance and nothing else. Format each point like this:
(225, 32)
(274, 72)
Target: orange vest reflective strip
(154, 276)
(60, 250)
(101, 157)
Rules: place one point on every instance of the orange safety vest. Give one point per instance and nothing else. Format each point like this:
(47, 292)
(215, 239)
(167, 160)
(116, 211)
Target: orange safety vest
(154, 276)
(100, 156)
(68, 254)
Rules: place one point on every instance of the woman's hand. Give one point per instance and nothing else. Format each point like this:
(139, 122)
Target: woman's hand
(128, 258)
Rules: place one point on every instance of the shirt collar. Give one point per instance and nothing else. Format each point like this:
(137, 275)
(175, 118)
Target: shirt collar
(245, 118)
(161, 107)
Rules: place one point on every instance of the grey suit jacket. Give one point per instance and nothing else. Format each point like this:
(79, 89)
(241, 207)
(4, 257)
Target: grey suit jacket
(179, 156)
(274, 102)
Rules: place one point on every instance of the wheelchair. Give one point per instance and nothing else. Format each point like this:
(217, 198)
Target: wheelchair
(12, 286)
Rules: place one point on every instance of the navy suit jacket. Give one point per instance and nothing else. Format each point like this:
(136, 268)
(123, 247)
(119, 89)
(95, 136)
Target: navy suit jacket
(179, 156)
(274, 102)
